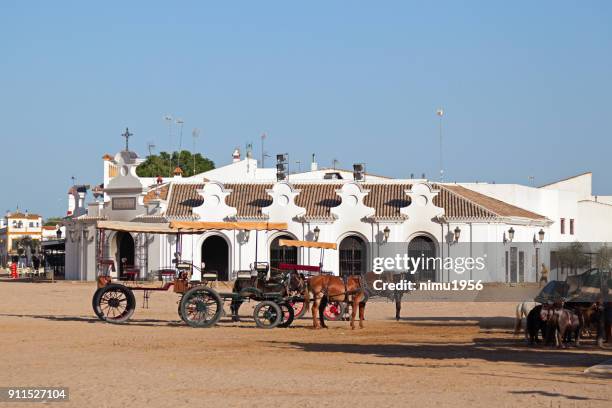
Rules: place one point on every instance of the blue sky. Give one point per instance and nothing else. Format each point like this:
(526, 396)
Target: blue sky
(526, 86)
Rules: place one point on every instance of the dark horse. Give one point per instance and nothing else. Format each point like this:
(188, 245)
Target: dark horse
(393, 295)
(328, 288)
(535, 325)
(284, 283)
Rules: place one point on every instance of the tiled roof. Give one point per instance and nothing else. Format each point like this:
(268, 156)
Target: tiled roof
(249, 199)
(183, 198)
(318, 198)
(22, 215)
(495, 207)
(163, 193)
(387, 199)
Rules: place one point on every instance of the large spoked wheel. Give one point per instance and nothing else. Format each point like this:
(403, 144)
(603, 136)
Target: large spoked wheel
(334, 311)
(114, 303)
(267, 315)
(299, 309)
(287, 314)
(201, 307)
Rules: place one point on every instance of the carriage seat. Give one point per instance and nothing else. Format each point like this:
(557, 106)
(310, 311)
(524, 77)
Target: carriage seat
(131, 273)
(167, 274)
(210, 275)
(243, 275)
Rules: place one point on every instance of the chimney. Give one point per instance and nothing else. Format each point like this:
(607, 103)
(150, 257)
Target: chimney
(313, 165)
(236, 155)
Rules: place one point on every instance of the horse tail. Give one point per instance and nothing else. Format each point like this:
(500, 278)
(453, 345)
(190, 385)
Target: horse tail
(519, 318)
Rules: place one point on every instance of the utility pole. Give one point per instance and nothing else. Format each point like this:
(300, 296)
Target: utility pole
(168, 119)
(150, 147)
(179, 122)
(195, 133)
(440, 113)
(263, 152)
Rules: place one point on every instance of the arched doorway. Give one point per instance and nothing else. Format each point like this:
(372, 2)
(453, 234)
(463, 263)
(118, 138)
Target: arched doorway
(215, 256)
(282, 254)
(423, 247)
(125, 253)
(353, 255)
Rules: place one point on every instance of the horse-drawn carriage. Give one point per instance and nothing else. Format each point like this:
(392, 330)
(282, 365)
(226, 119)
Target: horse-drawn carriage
(200, 304)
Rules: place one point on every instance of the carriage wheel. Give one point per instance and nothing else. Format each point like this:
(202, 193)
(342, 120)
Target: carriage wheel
(267, 315)
(299, 309)
(114, 303)
(201, 307)
(287, 314)
(334, 311)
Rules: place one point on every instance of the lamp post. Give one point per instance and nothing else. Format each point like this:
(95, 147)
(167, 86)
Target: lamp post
(168, 119)
(316, 232)
(195, 133)
(440, 113)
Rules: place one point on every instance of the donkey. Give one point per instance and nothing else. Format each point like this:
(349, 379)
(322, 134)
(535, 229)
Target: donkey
(326, 288)
(565, 321)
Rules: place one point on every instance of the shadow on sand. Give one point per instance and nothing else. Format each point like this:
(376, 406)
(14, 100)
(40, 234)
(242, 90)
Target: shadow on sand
(493, 350)
(494, 322)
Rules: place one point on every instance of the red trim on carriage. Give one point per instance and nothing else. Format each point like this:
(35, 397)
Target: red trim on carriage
(297, 267)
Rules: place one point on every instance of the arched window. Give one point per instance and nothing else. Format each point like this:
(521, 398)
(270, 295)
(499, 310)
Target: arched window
(125, 244)
(282, 254)
(423, 247)
(215, 256)
(353, 256)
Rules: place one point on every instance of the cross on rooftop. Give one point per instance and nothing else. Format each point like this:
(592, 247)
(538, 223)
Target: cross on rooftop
(127, 136)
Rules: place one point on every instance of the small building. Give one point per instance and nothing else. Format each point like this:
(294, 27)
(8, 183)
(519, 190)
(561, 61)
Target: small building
(15, 226)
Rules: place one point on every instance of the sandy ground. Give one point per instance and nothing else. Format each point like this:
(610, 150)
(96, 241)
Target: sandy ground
(442, 354)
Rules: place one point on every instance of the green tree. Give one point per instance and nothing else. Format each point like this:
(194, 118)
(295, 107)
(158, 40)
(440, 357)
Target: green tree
(604, 258)
(52, 221)
(573, 256)
(164, 164)
(21, 244)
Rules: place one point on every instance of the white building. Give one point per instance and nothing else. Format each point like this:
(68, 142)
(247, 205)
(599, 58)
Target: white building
(15, 226)
(375, 217)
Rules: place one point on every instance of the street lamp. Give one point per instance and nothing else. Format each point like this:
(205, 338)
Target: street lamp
(386, 233)
(457, 234)
(510, 235)
(247, 235)
(316, 232)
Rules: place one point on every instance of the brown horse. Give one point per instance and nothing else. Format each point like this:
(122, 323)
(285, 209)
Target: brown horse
(328, 288)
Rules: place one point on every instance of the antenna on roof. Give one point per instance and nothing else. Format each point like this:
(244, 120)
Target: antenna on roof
(150, 147)
(531, 180)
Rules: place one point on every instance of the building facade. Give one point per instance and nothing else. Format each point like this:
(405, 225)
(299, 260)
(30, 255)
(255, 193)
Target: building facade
(515, 227)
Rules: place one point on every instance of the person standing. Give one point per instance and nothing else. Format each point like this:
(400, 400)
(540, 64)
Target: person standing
(543, 275)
